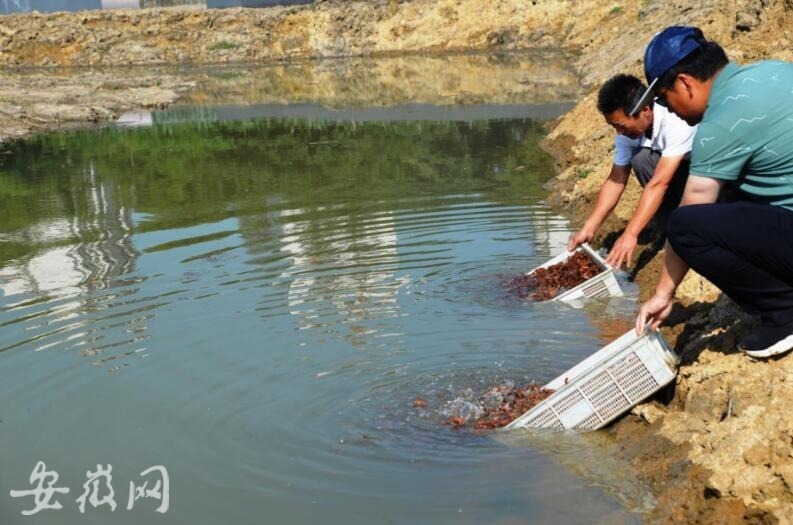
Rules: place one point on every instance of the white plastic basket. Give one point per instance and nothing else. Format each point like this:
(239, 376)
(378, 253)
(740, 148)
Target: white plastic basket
(605, 385)
(603, 284)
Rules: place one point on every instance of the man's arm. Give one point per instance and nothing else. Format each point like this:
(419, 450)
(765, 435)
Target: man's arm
(699, 190)
(650, 201)
(608, 197)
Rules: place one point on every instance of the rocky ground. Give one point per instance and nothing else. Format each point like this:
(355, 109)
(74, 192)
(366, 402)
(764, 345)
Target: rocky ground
(715, 448)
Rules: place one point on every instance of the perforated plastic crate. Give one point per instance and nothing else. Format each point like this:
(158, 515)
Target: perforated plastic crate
(605, 385)
(603, 284)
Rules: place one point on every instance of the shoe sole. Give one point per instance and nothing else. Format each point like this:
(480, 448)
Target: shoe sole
(780, 347)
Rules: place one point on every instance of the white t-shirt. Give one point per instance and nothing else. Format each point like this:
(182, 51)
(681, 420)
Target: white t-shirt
(671, 137)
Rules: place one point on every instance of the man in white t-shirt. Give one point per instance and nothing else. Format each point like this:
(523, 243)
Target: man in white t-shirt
(656, 144)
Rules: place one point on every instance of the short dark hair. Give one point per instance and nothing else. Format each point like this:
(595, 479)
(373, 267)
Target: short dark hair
(620, 92)
(701, 64)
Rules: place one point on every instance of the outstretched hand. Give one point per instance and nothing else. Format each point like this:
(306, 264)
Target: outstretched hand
(580, 237)
(622, 251)
(654, 311)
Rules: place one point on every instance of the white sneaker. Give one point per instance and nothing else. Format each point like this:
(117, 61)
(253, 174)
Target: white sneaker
(768, 341)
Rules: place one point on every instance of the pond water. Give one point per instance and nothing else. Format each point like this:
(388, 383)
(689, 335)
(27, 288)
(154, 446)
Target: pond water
(254, 304)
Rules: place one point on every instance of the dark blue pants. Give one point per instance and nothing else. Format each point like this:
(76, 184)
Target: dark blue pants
(744, 248)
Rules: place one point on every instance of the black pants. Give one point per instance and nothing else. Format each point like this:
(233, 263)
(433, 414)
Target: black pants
(744, 248)
(643, 164)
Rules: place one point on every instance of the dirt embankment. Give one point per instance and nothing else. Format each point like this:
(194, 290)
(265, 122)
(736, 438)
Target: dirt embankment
(323, 29)
(32, 100)
(718, 449)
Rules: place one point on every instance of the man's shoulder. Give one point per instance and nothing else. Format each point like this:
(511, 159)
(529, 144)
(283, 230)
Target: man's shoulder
(749, 93)
(767, 68)
(755, 77)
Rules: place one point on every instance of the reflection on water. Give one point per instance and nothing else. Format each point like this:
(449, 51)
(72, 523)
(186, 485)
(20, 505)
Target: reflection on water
(258, 303)
(100, 230)
(530, 78)
(90, 247)
(462, 87)
(356, 298)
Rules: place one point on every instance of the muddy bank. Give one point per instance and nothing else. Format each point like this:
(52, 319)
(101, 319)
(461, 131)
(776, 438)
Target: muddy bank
(323, 29)
(39, 101)
(716, 447)
(606, 36)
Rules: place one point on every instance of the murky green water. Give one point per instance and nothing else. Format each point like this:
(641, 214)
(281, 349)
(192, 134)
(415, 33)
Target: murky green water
(254, 305)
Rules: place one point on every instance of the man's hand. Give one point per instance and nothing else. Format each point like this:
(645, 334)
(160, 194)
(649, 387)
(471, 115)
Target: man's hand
(654, 312)
(622, 251)
(580, 237)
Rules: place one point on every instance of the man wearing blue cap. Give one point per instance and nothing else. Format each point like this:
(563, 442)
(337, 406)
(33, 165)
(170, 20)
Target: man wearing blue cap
(745, 139)
(655, 144)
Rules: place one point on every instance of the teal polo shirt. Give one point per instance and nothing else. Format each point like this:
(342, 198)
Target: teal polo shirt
(746, 133)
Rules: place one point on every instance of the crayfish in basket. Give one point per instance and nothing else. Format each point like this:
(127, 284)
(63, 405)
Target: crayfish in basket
(544, 284)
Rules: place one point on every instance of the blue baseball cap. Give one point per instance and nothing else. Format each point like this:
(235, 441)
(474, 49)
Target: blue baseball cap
(665, 50)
